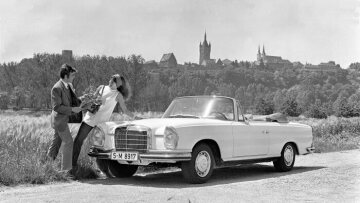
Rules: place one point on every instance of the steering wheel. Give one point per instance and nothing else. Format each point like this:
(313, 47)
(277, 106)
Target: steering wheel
(218, 115)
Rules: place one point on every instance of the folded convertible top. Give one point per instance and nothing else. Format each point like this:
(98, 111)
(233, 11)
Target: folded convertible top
(275, 117)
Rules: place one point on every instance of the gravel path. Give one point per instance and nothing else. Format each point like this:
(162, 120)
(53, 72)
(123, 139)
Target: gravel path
(328, 177)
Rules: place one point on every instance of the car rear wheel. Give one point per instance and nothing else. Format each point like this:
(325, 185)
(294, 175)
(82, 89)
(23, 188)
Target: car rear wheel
(287, 159)
(200, 167)
(121, 170)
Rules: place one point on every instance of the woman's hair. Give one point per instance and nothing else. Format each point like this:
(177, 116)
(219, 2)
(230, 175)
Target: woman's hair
(124, 88)
(66, 69)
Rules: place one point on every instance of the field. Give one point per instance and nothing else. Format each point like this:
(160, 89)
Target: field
(25, 137)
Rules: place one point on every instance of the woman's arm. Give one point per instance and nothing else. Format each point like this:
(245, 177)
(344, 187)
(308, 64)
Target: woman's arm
(97, 92)
(121, 101)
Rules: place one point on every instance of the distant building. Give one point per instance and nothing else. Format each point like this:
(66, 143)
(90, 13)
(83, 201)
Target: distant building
(67, 56)
(209, 62)
(205, 49)
(298, 64)
(328, 67)
(219, 62)
(151, 64)
(227, 62)
(267, 59)
(168, 61)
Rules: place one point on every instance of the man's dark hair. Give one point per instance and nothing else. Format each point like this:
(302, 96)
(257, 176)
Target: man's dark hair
(66, 69)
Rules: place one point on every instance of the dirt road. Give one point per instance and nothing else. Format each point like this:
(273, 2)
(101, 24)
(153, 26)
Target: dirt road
(330, 177)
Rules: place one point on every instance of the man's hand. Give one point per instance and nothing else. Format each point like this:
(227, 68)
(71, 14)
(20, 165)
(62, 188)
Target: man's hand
(76, 109)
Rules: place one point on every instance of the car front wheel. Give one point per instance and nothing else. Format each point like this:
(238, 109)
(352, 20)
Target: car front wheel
(200, 167)
(287, 159)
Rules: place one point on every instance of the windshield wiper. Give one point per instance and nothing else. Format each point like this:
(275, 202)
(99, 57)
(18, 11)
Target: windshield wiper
(183, 116)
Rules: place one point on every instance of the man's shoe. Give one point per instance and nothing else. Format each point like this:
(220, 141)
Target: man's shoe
(100, 175)
(69, 174)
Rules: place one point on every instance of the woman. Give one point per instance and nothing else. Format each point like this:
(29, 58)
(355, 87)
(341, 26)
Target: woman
(118, 91)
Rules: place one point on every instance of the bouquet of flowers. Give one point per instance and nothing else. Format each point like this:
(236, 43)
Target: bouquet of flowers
(91, 100)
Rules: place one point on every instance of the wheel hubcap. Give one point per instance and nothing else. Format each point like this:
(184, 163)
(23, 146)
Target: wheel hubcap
(289, 155)
(202, 163)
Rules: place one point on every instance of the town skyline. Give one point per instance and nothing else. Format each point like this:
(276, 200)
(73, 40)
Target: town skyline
(294, 30)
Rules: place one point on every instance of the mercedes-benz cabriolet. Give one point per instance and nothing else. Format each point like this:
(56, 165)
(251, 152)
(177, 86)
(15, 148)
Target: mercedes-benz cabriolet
(197, 134)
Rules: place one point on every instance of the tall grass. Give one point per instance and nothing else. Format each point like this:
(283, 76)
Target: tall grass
(25, 138)
(23, 143)
(335, 134)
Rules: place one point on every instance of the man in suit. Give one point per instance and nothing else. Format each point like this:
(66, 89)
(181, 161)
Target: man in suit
(61, 110)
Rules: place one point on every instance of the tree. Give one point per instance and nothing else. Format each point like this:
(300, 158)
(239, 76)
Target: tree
(264, 107)
(342, 108)
(355, 66)
(316, 110)
(137, 78)
(18, 97)
(4, 100)
(290, 107)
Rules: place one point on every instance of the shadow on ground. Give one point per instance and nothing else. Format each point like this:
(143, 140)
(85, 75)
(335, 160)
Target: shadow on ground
(220, 176)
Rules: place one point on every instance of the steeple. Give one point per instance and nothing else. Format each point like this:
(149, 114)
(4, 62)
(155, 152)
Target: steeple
(259, 50)
(263, 51)
(205, 42)
(205, 49)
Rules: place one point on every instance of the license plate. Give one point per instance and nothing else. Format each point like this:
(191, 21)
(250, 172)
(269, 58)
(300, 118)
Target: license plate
(125, 156)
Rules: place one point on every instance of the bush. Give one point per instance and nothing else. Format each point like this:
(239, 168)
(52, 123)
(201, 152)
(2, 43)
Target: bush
(290, 107)
(342, 108)
(263, 107)
(4, 100)
(316, 111)
(335, 134)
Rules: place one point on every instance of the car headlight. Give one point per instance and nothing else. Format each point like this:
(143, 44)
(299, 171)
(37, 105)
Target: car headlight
(98, 137)
(171, 138)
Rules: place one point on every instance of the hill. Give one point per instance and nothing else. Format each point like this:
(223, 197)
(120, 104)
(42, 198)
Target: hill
(261, 89)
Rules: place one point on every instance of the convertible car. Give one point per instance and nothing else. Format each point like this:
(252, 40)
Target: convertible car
(197, 134)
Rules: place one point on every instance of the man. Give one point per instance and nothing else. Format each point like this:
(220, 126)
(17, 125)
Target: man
(61, 110)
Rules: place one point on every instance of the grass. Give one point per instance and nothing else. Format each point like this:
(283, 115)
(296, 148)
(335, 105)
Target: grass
(334, 134)
(24, 140)
(26, 136)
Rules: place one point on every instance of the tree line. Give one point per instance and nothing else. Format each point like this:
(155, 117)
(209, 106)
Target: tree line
(260, 89)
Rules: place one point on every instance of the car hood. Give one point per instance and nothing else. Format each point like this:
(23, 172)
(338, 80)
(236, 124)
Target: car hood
(156, 123)
(177, 122)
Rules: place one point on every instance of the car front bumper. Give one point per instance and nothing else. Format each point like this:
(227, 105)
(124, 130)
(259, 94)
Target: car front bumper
(151, 156)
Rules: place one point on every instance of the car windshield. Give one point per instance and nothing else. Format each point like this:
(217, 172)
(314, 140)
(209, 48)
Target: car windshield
(201, 107)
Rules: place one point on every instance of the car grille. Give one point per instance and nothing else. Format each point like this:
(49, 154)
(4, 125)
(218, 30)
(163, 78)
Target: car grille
(131, 140)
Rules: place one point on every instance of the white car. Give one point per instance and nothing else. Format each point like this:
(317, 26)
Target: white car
(199, 133)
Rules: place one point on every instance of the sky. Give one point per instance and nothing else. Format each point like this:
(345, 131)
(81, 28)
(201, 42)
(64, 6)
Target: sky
(309, 31)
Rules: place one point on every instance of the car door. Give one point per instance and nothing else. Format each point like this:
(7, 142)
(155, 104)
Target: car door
(250, 138)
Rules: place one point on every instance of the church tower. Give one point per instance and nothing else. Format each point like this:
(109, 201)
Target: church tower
(263, 53)
(205, 49)
(258, 54)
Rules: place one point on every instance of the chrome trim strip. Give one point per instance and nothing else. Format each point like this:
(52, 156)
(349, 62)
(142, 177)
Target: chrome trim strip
(150, 156)
(170, 156)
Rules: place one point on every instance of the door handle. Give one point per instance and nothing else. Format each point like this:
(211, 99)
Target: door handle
(265, 132)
